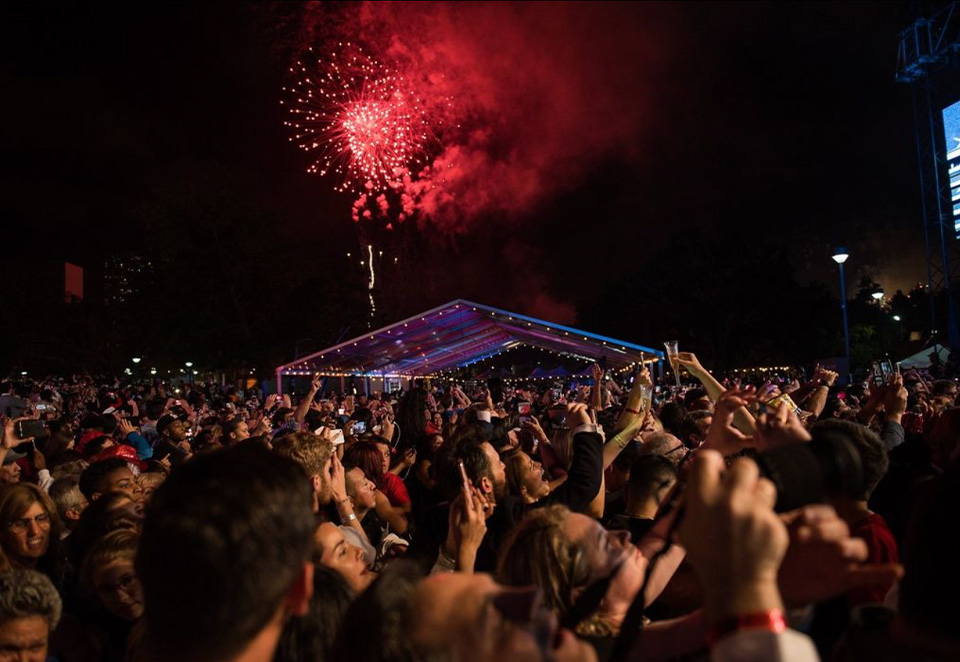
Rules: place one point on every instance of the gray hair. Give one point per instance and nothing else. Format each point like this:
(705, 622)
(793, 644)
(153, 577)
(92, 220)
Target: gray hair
(71, 468)
(65, 493)
(28, 593)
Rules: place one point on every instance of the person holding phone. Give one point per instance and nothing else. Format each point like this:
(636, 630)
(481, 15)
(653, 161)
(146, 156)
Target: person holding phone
(10, 473)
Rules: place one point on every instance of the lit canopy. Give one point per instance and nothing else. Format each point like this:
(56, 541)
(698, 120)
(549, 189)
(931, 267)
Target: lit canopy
(457, 334)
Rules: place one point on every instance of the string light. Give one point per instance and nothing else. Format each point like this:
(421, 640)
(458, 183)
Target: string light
(604, 346)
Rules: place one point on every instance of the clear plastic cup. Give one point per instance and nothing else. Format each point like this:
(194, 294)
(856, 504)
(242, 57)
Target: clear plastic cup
(672, 351)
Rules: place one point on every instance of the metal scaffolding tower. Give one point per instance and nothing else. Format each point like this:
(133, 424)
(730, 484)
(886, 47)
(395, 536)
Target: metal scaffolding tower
(929, 47)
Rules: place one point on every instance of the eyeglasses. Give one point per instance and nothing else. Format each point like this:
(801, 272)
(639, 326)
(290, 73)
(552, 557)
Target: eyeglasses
(125, 584)
(21, 525)
(594, 593)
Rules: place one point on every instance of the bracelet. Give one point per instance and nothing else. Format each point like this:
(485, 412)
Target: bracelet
(444, 563)
(351, 517)
(771, 621)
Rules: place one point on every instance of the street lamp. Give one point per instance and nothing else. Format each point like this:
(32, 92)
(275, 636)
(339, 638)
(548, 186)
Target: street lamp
(840, 256)
(896, 318)
(189, 364)
(877, 296)
(136, 359)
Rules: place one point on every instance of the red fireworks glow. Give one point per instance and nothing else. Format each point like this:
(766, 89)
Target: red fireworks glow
(358, 118)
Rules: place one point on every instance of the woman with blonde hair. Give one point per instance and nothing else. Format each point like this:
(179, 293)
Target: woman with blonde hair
(568, 556)
(108, 604)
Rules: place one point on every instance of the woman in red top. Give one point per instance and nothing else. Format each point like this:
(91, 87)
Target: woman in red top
(373, 457)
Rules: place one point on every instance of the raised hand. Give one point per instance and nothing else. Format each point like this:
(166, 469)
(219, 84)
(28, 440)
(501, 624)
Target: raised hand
(466, 528)
(734, 506)
(643, 376)
(767, 392)
(487, 400)
(722, 436)
(894, 397)
(338, 485)
(690, 361)
(824, 377)
(577, 414)
(779, 428)
(534, 426)
(387, 428)
(597, 373)
(823, 561)
(10, 438)
(125, 427)
(262, 427)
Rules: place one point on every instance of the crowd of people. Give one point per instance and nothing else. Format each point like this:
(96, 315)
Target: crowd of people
(615, 519)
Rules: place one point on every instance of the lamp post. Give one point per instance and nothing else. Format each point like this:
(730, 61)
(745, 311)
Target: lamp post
(840, 256)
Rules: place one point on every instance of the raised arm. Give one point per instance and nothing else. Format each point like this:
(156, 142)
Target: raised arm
(596, 393)
(635, 401)
(742, 419)
(813, 395)
(615, 445)
(304, 406)
(586, 467)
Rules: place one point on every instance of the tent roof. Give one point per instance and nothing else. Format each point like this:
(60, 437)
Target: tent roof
(922, 358)
(457, 334)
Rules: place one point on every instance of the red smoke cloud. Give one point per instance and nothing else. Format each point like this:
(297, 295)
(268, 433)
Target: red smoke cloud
(527, 96)
(524, 99)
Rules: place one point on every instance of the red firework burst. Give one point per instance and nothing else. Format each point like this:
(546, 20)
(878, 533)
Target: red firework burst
(359, 119)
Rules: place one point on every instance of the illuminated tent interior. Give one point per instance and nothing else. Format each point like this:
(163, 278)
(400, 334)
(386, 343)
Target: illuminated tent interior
(442, 340)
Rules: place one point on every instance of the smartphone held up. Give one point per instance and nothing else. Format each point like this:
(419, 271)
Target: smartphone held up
(31, 429)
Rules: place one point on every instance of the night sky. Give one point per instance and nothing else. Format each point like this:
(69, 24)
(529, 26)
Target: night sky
(593, 136)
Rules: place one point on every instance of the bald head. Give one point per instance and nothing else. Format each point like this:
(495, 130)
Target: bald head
(665, 445)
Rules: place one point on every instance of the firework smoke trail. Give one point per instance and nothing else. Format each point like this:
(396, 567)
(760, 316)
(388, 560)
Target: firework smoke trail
(371, 282)
(360, 119)
(543, 93)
